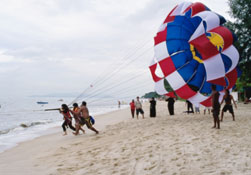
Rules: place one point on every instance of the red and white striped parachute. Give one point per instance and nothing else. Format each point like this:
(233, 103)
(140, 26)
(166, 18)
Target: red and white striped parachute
(192, 51)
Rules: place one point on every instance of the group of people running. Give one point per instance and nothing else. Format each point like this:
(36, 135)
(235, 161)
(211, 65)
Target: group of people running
(80, 115)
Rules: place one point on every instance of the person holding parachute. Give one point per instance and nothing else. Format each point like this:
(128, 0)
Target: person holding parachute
(83, 112)
(65, 111)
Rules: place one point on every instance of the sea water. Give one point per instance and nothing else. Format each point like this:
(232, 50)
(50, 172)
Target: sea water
(23, 119)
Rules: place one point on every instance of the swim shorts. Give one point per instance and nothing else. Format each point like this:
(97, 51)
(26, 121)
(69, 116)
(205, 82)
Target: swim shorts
(88, 122)
(139, 111)
(228, 108)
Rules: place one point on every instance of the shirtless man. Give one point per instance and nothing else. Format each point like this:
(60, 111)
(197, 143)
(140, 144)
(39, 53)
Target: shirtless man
(228, 106)
(84, 114)
(77, 119)
(215, 106)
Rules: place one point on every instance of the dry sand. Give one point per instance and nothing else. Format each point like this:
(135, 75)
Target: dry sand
(180, 144)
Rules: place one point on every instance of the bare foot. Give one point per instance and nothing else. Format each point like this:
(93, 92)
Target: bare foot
(75, 133)
(64, 134)
(214, 127)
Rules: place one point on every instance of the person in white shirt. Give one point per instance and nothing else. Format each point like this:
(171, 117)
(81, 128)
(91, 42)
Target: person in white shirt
(139, 109)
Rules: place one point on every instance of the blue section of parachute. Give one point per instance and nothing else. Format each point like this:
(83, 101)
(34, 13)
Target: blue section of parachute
(227, 62)
(179, 32)
(181, 58)
(188, 70)
(199, 77)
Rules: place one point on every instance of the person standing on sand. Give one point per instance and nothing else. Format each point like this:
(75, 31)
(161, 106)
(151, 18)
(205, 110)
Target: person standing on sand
(67, 118)
(215, 106)
(197, 108)
(132, 106)
(228, 104)
(77, 119)
(189, 106)
(139, 109)
(152, 107)
(206, 109)
(170, 105)
(84, 114)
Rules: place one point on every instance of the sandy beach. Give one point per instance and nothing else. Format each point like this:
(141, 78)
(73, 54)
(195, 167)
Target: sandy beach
(180, 144)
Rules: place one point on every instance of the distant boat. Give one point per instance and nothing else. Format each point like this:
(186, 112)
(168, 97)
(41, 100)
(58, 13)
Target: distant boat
(42, 102)
(60, 100)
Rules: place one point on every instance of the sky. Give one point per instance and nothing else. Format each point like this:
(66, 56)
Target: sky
(65, 46)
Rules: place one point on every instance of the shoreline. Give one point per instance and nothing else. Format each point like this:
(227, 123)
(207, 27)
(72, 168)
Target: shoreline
(45, 131)
(179, 144)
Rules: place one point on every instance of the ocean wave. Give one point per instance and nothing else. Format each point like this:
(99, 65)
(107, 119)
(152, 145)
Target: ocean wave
(24, 125)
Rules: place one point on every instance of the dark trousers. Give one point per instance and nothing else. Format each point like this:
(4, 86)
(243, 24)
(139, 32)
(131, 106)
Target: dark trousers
(153, 112)
(171, 109)
(190, 106)
(67, 123)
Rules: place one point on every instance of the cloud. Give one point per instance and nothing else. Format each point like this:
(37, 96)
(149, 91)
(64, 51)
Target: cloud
(63, 45)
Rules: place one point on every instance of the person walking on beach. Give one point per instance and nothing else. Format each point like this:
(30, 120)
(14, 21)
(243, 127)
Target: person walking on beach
(228, 104)
(77, 119)
(215, 106)
(139, 109)
(152, 107)
(119, 104)
(84, 114)
(189, 106)
(132, 106)
(170, 105)
(67, 118)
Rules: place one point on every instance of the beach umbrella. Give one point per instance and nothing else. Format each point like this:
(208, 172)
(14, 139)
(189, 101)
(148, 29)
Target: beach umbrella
(192, 51)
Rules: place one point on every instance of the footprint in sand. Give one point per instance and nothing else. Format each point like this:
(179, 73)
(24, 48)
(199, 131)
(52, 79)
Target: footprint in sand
(163, 172)
(57, 154)
(175, 159)
(75, 144)
(63, 148)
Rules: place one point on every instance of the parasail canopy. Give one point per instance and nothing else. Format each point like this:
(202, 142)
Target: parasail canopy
(192, 51)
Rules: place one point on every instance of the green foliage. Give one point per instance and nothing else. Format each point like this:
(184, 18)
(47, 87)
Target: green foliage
(240, 10)
(151, 94)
